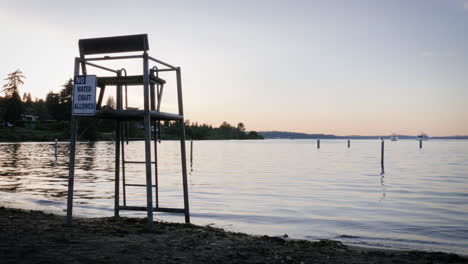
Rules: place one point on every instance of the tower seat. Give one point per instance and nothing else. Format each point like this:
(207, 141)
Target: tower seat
(127, 80)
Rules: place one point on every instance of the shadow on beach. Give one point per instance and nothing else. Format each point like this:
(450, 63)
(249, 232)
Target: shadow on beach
(37, 237)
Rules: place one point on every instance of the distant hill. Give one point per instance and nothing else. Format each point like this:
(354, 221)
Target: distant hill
(294, 135)
(451, 137)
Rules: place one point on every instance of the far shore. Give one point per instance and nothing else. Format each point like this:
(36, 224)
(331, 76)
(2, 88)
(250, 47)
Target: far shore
(37, 237)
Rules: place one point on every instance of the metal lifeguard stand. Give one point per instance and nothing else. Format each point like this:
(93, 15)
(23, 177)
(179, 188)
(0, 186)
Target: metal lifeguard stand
(151, 114)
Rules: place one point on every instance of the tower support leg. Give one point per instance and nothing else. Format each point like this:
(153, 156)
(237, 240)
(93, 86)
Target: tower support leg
(71, 164)
(147, 121)
(182, 147)
(71, 171)
(118, 129)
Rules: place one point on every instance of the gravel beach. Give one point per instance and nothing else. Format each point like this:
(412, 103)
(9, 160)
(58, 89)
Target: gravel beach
(37, 237)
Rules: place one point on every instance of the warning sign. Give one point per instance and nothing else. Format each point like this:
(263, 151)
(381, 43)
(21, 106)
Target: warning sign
(84, 95)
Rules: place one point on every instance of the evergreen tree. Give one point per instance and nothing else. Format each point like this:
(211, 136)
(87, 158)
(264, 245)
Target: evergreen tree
(226, 130)
(40, 109)
(65, 100)
(29, 100)
(14, 108)
(65, 94)
(240, 131)
(111, 103)
(52, 104)
(15, 79)
(241, 127)
(13, 103)
(59, 104)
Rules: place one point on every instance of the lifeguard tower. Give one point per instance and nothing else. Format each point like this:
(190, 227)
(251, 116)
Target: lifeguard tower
(152, 87)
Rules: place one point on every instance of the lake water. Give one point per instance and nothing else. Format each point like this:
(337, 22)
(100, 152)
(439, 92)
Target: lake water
(272, 187)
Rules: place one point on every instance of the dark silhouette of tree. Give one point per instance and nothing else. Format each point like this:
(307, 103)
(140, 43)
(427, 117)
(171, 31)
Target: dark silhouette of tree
(55, 111)
(13, 104)
(240, 133)
(65, 100)
(59, 104)
(65, 94)
(226, 130)
(14, 108)
(241, 127)
(15, 79)
(40, 109)
(28, 105)
(254, 135)
(200, 132)
(53, 105)
(110, 103)
(29, 98)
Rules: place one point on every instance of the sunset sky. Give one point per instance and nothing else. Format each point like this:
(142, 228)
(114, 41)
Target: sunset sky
(341, 67)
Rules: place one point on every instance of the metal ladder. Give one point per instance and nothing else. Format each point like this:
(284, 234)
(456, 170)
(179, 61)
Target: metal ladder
(156, 130)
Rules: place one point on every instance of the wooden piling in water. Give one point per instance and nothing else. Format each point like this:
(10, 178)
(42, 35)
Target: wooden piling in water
(191, 151)
(318, 143)
(382, 155)
(56, 148)
(349, 143)
(420, 143)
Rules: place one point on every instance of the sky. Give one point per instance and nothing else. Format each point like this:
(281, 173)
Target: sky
(343, 67)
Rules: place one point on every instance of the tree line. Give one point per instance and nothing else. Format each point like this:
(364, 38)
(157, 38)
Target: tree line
(23, 118)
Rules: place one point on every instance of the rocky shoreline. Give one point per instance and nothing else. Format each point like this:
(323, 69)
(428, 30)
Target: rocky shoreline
(37, 237)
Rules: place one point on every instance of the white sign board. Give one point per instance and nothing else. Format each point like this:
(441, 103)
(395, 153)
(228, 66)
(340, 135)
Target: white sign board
(84, 95)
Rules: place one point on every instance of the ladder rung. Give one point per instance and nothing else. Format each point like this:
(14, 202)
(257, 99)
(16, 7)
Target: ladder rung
(138, 162)
(138, 185)
(155, 209)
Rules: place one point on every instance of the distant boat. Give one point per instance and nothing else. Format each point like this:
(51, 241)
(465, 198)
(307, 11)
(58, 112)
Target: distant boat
(394, 137)
(423, 136)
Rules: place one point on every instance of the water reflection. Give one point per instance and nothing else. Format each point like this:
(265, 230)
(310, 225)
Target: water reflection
(384, 194)
(269, 187)
(33, 168)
